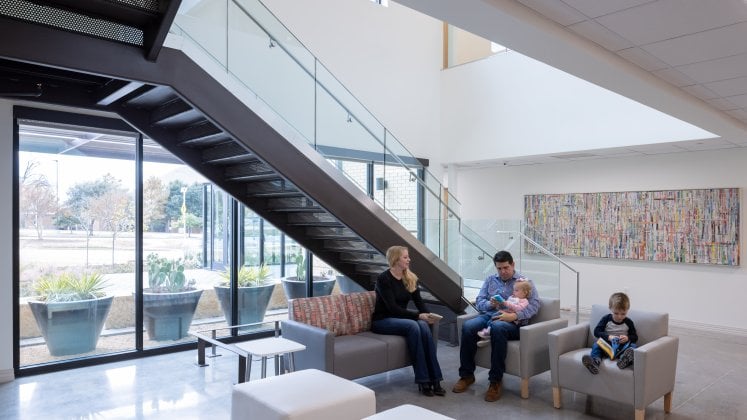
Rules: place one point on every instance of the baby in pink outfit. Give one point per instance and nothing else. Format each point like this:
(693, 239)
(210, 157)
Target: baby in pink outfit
(517, 302)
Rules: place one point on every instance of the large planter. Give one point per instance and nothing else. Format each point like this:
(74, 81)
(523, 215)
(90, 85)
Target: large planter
(71, 327)
(168, 315)
(253, 302)
(348, 285)
(295, 288)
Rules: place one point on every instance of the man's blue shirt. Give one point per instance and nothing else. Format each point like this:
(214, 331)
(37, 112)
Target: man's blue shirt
(494, 285)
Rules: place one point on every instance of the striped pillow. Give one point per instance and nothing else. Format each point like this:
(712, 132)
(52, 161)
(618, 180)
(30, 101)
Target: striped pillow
(359, 308)
(326, 312)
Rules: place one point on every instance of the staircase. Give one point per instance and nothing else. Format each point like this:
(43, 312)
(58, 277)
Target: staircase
(248, 151)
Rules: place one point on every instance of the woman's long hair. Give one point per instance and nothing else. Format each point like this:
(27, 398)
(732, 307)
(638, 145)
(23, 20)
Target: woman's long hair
(409, 279)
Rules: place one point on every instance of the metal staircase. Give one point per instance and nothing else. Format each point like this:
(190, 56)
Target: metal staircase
(247, 151)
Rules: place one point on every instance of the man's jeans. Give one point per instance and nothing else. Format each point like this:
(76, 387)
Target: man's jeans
(419, 343)
(500, 333)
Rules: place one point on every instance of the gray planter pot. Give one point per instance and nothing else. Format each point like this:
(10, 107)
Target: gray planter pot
(295, 288)
(253, 302)
(347, 285)
(168, 315)
(71, 327)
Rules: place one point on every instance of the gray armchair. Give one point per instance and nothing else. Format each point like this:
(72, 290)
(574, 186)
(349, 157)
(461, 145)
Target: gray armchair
(652, 374)
(527, 356)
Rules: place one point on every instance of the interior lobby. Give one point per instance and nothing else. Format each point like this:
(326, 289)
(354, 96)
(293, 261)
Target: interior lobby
(494, 100)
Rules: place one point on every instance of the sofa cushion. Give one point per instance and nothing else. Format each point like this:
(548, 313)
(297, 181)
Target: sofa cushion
(359, 308)
(326, 312)
(397, 355)
(356, 356)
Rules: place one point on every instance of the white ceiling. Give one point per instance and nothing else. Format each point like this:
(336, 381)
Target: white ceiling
(686, 58)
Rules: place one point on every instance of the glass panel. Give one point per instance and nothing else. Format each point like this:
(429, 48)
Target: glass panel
(324, 279)
(272, 246)
(294, 282)
(354, 171)
(219, 220)
(204, 21)
(76, 242)
(343, 122)
(265, 65)
(397, 188)
(293, 255)
(252, 232)
(544, 270)
(178, 286)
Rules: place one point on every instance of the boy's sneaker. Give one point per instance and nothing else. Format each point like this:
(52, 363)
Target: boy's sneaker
(483, 343)
(626, 359)
(591, 363)
(484, 333)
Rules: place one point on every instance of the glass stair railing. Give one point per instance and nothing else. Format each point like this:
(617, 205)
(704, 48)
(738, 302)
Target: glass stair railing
(531, 259)
(243, 45)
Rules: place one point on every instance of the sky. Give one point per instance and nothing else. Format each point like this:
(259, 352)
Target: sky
(64, 171)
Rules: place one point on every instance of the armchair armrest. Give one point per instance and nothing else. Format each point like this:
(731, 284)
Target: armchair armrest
(460, 320)
(533, 347)
(564, 340)
(655, 366)
(319, 353)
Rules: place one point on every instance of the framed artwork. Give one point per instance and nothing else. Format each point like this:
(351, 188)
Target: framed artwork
(699, 226)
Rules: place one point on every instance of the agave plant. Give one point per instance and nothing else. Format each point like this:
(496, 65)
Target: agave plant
(167, 275)
(250, 276)
(68, 287)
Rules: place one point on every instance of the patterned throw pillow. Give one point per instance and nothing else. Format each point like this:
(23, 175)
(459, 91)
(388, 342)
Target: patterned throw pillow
(359, 308)
(326, 312)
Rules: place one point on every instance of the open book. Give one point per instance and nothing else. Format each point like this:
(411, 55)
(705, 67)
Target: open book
(613, 350)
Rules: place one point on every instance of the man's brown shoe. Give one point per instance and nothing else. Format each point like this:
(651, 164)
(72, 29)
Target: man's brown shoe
(462, 384)
(494, 392)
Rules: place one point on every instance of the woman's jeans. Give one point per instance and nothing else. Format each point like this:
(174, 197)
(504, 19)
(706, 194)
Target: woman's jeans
(419, 343)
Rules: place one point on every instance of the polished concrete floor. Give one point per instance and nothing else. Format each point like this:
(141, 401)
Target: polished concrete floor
(711, 383)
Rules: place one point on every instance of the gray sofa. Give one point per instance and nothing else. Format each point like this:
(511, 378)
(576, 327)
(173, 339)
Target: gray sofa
(336, 331)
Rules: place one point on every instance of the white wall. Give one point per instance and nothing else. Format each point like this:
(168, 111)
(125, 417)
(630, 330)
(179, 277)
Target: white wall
(695, 295)
(389, 57)
(6, 243)
(509, 105)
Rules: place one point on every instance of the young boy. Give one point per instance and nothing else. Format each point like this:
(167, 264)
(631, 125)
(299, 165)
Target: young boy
(616, 334)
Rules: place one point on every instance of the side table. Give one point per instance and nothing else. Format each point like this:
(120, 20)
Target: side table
(272, 346)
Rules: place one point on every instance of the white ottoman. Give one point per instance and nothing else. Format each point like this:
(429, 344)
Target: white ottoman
(306, 394)
(408, 412)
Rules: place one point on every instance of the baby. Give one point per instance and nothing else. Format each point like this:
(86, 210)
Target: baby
(517, 302)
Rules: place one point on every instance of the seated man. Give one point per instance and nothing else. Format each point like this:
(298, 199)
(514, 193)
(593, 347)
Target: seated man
(504, 326)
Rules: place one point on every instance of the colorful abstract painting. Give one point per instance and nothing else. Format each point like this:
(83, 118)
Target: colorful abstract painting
(680, 226)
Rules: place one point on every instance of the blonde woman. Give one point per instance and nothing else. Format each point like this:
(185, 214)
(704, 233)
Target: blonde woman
(395, 288)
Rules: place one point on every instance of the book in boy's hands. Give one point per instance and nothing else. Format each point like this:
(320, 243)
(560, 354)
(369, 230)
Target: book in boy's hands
(435, 317)
(613, 350)
(606, 347)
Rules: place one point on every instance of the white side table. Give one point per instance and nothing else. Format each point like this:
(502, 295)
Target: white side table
(272, 346)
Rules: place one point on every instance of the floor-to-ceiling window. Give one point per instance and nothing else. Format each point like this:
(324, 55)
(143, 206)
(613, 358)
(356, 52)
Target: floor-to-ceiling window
(83, 230)
(177, 279)
(76, 252)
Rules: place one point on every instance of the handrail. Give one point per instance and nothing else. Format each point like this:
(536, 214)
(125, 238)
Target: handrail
(386, 149)
(550, 254)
